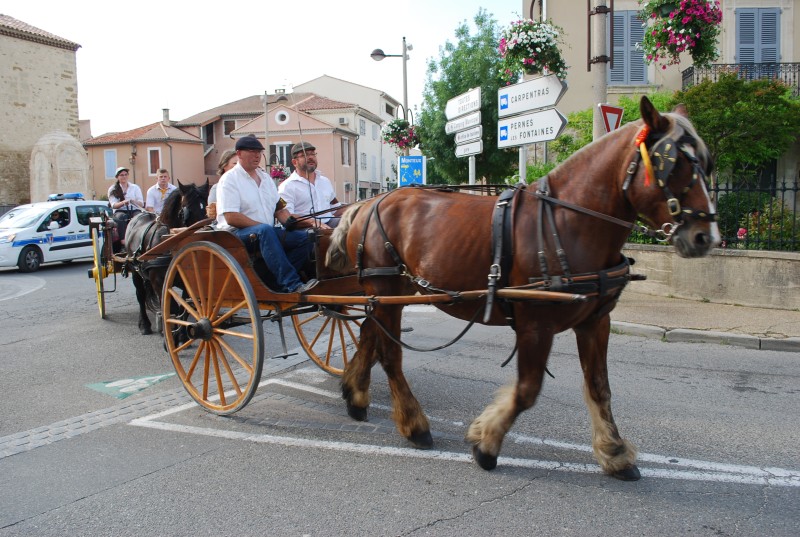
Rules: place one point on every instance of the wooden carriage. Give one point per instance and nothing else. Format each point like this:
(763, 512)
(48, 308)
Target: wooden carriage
(214, 304)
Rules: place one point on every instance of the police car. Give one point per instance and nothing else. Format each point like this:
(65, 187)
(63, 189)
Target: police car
(53, 230)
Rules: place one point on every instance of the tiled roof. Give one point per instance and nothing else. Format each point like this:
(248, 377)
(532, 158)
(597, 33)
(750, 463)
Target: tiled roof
(254, 105)
(155, 132)
(15, 28)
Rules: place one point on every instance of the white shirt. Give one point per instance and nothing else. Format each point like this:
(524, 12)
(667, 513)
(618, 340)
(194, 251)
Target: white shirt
(155, 198)
(238, 193)
(302, 197)
(133, 193)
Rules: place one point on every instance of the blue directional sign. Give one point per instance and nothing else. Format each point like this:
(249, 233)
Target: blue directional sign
(411, 170)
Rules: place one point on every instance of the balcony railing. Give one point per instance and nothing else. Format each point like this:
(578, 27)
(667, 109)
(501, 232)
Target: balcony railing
(789, 73)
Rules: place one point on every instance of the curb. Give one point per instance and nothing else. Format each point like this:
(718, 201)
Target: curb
(685, 335)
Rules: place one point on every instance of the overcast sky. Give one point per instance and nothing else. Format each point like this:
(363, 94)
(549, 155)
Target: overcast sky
(137, 58)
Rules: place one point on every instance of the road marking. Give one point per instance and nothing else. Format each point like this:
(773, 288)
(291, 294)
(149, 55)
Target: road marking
(126, 387)
(699, 470)
(14, 286)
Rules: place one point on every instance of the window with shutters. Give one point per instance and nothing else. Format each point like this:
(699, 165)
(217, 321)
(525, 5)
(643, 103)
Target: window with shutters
(629, 67)
(345, 151)
(757, 35)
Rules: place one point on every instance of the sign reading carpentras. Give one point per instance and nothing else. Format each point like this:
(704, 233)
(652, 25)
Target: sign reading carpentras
(537, 125)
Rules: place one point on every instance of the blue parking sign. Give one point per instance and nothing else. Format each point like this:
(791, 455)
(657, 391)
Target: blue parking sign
(411, 169)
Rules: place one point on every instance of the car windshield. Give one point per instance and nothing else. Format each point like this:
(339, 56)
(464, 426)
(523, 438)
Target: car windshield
(21, 217)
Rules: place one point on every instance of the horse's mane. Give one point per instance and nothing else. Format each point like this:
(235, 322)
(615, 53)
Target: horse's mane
(170, 212)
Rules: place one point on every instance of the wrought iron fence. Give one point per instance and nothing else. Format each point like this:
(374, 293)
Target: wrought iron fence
(759, 218)
(789, 73)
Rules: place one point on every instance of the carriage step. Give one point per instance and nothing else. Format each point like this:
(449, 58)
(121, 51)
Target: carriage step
(284, 356)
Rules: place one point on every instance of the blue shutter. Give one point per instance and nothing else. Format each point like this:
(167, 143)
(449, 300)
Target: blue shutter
(616, 75)
(638, 69)
(629, 66)
(758, 35)
(769, 41)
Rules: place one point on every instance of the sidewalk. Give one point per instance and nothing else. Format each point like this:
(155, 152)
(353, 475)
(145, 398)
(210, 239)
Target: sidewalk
(677, 319)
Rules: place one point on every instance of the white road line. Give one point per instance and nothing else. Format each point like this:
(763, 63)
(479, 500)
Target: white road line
(703, 470)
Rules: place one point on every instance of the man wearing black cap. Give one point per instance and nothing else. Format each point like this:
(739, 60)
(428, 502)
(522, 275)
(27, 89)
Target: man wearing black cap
(248, 203)
(307, 191)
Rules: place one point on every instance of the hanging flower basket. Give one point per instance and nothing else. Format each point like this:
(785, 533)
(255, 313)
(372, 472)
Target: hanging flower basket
(278, 172)
(533, 47)
(400, 134)
(673, 27)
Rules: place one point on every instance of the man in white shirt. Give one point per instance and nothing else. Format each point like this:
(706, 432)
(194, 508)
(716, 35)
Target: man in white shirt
(248, 204)
(307, 191)
(157, 193)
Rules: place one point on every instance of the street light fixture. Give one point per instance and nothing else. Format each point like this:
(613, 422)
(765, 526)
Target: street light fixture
(378, 55)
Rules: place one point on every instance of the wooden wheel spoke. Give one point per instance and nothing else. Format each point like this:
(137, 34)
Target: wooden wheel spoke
(218, 304)
(189, 289)
(230, 313)
(218, 378)
(221, 354)
(235, 355)
(232, 333)
(320, 331)
(343, 344)
(185, 305)
(201, 304)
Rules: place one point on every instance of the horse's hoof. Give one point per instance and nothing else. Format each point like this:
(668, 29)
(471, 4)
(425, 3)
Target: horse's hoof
(629, 473)
(422, 440)
(147, 331)
(358, 413)
(487, 462)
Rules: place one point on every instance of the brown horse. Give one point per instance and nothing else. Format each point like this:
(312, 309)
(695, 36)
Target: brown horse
(567, 234)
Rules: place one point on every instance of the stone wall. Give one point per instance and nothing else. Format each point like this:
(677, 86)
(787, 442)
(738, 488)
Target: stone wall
(39, 85)
(746, 277)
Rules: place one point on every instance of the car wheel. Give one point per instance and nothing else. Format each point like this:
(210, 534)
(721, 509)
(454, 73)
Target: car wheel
(29, 259)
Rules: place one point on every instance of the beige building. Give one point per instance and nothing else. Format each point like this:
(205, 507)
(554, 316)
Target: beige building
(39, 88)
(144, 151)
(758, 37)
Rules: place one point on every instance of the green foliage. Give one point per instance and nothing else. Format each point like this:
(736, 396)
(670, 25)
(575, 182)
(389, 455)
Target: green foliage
(733, 208)
(772, 227)
(745, 123)
(471, 62)
(577, 135)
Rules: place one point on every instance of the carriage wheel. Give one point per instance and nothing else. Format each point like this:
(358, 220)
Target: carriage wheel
(212, 324)
(99, 271)
(329, 335)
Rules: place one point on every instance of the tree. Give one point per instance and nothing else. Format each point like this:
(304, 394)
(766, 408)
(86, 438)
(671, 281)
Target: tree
(745, 123)
(473, 61)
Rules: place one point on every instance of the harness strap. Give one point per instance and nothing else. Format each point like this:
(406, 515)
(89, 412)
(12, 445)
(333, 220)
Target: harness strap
(501, 222)
(396, 270)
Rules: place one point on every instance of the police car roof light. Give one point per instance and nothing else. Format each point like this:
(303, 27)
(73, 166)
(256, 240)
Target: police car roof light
(67, 196)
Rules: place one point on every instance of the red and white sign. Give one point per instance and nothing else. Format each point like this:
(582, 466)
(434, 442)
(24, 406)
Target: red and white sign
(612, 116)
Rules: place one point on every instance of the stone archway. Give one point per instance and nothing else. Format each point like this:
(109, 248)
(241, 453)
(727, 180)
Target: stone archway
(58, 165)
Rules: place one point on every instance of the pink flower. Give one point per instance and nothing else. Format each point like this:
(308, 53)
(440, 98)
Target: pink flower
(741, 233)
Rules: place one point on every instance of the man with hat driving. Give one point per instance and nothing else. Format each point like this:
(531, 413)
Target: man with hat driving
(248, 203)
(308, 192)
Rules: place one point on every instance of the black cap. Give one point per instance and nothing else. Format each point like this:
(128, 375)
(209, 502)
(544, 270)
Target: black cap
(302, 146)
(249, 142)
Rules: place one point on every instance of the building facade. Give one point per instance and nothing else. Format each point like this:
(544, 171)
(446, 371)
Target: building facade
(39, 88)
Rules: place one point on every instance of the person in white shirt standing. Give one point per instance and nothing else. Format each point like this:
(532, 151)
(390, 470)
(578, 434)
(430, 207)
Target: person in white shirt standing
(307, 191)
(248, 204)
(157, 193)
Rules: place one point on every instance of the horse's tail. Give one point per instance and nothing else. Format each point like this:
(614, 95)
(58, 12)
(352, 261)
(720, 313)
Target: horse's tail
(336, 258)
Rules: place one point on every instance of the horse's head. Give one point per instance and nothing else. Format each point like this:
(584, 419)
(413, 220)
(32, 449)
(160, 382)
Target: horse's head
(193, 203)
(671, 194)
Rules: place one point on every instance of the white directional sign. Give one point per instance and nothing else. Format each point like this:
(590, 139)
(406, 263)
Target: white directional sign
(472, 148)
(531, 95)
(463, 123)
(463, 104)
(469, 135)
(530, 128)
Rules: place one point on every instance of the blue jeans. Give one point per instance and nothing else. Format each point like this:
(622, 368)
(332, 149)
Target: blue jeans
(284, 252)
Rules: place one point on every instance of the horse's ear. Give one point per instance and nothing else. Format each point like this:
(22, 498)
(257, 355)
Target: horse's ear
(681, 109)
(651, 117)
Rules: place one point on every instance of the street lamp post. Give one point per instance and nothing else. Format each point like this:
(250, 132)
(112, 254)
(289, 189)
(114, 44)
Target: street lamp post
(378, 55)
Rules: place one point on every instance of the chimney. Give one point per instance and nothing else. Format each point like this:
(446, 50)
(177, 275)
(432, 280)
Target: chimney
(166, 120)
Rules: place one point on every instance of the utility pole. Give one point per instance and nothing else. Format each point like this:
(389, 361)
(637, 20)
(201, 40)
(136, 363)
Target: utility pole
(598, 44)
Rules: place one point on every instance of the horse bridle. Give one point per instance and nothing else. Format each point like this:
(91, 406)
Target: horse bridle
(664, 156)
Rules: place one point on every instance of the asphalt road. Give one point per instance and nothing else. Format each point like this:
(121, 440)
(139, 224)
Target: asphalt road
(717, 428)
